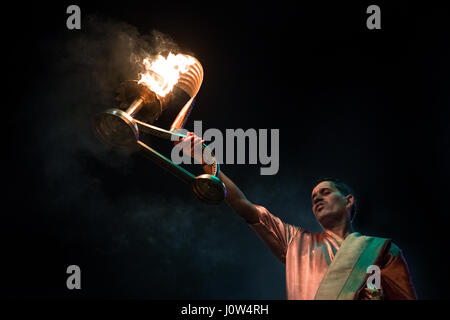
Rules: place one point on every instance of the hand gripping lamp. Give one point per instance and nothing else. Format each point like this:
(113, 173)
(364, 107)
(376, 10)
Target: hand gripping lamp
(140, 106)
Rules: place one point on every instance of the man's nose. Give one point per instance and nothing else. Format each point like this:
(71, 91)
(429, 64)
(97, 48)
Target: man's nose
(317, 199)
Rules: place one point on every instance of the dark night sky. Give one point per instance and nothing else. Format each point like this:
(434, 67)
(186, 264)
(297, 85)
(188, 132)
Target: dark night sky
(369, 107)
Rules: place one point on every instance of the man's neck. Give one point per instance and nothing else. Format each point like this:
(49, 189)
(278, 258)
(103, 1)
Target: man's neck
(340, 231)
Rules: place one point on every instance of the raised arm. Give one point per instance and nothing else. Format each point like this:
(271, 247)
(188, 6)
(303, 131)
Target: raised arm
(236, 199)
(275, 233)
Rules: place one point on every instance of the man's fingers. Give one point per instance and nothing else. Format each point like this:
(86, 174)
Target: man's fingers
(192, 141)
(365, 294)
(182, 139)
(187, 139)
(185, 143)
(197, 144)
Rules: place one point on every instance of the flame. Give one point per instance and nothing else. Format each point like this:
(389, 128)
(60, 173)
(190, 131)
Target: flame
(163, 73)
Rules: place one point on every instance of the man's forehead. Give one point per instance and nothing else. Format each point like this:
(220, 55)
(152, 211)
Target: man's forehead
(322, 185)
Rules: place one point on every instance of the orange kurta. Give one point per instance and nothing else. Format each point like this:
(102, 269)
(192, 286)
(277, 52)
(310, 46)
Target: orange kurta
(307, 257)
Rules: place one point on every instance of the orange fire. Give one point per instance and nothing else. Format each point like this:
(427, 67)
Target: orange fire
(163, 73)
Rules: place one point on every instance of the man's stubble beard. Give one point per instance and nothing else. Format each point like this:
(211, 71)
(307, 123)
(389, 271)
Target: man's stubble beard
(328, 219)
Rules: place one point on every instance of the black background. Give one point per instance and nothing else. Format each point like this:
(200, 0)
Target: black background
(367, 106)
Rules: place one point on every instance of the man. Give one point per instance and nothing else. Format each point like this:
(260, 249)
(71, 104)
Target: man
(331, 264)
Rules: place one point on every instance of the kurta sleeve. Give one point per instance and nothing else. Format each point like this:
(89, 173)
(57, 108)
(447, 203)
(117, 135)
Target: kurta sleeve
(395, 277)
(274, 233)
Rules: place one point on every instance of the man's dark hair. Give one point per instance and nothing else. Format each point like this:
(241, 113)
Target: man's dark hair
(343, 188)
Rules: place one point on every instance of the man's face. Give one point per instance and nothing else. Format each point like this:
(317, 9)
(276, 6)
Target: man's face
(329, 204)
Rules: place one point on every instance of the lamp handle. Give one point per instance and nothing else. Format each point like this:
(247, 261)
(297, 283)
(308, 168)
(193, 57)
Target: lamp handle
(206, 187)
(166, 134)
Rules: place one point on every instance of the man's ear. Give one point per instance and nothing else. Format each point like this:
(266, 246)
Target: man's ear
(350, 201)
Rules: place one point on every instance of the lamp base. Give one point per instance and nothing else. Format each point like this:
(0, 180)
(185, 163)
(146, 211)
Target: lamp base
(209, 189)
(116, 128)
